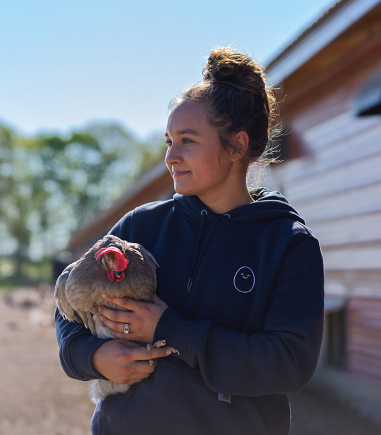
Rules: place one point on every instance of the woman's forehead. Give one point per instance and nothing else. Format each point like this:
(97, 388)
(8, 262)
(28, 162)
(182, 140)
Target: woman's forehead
(187, 117)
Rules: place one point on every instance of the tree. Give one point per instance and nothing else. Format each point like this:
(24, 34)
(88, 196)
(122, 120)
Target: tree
(52, 185)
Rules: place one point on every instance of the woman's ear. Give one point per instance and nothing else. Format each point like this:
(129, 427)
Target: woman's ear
(240, 145)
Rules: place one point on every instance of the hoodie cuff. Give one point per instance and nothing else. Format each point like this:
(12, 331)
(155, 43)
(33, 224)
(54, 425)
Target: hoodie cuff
(82, 349)
(179, 333)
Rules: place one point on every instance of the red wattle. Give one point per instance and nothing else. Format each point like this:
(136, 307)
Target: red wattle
(120, 277)
(111, 274)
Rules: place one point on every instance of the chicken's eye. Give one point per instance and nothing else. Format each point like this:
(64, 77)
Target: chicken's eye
(108, 259)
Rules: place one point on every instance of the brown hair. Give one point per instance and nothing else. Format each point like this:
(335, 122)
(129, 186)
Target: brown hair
(235, 90)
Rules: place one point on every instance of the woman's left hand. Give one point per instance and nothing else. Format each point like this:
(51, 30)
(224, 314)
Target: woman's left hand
(142, 319)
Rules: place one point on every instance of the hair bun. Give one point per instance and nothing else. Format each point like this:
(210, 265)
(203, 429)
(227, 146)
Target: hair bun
(237, 99)
(227, 65)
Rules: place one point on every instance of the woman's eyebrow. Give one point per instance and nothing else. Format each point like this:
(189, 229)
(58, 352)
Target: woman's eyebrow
(185, 131)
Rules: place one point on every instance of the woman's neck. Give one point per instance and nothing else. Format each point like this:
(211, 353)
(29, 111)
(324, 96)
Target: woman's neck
(227, 200)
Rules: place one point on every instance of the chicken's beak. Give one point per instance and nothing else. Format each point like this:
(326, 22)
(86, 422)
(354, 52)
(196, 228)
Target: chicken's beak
(117, 274)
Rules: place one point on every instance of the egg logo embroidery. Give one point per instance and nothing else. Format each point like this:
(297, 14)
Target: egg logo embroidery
(244, 279)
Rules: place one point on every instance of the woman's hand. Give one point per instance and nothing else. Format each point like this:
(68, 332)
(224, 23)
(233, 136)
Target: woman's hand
(142, 319)
(125, 362)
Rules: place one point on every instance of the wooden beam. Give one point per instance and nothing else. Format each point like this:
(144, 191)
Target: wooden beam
(365, 57)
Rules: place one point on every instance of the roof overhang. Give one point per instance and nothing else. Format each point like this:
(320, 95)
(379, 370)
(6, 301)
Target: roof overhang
(338, 19)
(368, 100)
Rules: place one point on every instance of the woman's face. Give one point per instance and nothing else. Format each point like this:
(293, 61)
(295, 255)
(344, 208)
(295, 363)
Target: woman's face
(195, 157)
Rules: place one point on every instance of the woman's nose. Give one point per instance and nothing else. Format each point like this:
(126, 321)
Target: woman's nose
(173, 156)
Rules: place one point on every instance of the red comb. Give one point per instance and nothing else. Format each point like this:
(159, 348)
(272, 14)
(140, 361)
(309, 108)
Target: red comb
(119, 261)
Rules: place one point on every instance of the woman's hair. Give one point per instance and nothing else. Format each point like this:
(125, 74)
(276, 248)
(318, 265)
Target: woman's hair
(234, 88)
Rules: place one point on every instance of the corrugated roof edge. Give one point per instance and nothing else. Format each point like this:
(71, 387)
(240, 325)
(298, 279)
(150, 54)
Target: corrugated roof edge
(326, 29)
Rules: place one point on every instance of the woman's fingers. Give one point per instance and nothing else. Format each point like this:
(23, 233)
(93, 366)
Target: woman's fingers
(116, 321)
(116, 316)
(130, 344)
(130, 304)
(130, 336)
(144, 365)
(123, 362)
(142, 317)
(158, 301)
(143, 354)
(117, 327)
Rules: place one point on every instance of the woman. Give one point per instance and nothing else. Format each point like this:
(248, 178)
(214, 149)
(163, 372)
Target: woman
(240, 284)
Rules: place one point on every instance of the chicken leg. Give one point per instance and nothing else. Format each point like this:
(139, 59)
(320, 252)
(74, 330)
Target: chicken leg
(160, 343)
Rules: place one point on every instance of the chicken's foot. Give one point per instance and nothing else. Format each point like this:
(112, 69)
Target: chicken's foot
(160, 343)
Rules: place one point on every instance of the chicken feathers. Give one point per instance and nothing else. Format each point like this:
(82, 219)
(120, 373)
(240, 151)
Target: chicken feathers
(78, 291)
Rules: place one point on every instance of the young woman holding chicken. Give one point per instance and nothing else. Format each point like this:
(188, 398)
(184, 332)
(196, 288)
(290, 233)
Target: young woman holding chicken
(240, 284)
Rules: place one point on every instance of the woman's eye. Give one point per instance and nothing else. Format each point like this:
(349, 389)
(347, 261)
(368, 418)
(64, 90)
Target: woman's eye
(168, 143)
(186, 140)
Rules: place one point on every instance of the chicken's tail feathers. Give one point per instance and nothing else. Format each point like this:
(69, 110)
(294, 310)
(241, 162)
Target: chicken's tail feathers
(151, 261)
(62, 302)
(67, 311)
(147, 255)
(88, 320)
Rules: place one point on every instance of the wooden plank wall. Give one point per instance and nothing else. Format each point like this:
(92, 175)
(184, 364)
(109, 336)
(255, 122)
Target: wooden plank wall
(363, 325)
(336, 187)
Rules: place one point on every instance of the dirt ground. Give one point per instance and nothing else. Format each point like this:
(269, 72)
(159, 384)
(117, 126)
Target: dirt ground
(38, 399)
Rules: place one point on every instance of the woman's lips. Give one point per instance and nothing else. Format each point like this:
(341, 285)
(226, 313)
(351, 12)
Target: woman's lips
(180, 173)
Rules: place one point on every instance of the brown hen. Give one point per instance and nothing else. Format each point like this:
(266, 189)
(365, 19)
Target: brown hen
(111, 267)
(79, 289)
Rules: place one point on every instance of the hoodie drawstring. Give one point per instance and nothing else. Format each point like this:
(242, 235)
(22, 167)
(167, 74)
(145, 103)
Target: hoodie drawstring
(195, 266)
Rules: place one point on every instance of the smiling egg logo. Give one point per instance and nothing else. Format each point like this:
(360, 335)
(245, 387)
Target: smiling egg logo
(244, 279)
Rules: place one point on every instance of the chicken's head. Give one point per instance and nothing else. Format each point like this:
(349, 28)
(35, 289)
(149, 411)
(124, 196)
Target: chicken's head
(114, 261)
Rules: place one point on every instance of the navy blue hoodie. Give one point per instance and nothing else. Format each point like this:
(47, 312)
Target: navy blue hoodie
(245, 291)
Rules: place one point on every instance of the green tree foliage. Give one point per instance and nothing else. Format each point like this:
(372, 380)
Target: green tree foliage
(51, 186)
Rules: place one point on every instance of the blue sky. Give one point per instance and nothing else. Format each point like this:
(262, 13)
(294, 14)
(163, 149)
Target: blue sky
(64, 63)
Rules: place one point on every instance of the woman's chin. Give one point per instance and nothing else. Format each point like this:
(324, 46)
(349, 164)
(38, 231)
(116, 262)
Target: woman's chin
(182, 190)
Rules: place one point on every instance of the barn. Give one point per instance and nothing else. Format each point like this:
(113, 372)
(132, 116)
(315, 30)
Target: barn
(329, 85)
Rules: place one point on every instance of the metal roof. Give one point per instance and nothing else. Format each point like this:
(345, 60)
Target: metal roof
(328, 27)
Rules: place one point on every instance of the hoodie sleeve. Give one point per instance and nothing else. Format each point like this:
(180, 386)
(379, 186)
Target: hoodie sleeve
(76, 348)
(76, 343)
(279, 360)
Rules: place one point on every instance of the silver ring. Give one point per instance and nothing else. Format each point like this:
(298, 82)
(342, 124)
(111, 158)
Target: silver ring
(126, 328)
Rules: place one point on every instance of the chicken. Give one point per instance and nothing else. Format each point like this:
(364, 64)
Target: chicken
(111, 267)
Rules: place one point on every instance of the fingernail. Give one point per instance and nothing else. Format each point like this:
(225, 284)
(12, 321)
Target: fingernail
(101, 317)
(99, 308)
(168, 352)
(104, 296)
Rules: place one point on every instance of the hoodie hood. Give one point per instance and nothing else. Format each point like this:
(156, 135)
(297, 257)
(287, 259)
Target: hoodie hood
(267, 205)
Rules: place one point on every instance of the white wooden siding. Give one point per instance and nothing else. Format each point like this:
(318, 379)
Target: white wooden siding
(353, 257)
(355, 202)
(339, 128)
(361, 144)
(359, 173)
(337, 189)
(353, 282)
(354, 229)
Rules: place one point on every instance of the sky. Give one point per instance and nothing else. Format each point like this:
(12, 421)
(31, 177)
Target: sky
(64, 63)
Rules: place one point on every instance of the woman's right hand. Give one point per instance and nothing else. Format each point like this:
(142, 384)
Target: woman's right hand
(126, 362)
